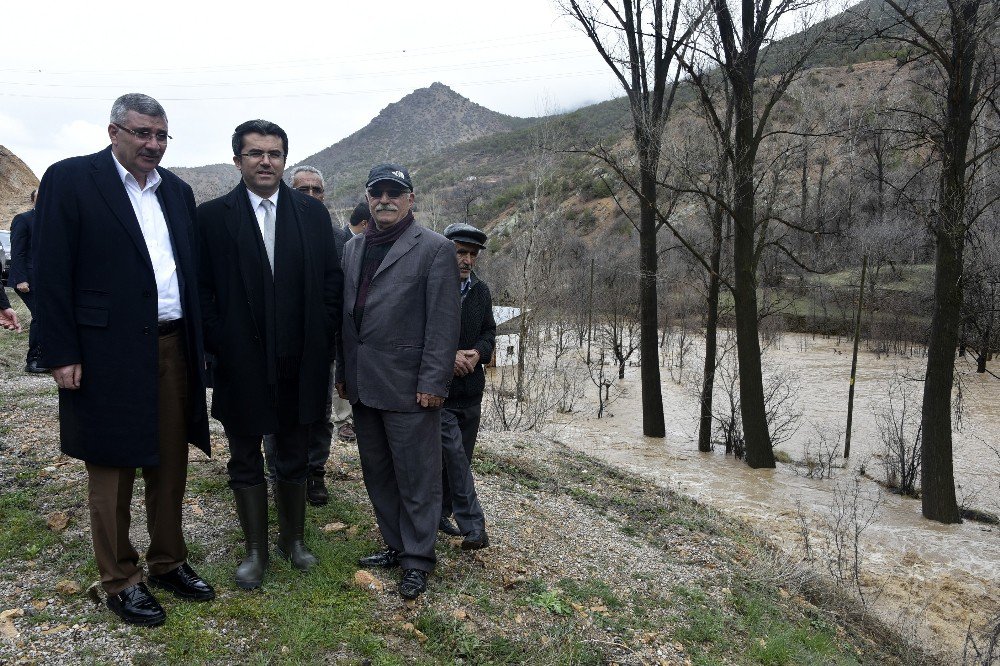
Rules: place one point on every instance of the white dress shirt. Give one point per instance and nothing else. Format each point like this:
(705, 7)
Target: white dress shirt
(154, 229)
(258, 210)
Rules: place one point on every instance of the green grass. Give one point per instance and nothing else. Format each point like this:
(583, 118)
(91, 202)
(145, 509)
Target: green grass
(25, 532)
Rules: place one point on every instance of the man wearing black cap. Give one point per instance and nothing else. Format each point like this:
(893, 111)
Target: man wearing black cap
(400, 333)
(463, 408)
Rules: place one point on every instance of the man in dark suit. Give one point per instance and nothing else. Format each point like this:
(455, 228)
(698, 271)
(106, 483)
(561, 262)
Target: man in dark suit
(271, 294)
(400, 333)
(20, 276)
(120, 329)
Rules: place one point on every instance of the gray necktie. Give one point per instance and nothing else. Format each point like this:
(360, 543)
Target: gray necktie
(267, 230)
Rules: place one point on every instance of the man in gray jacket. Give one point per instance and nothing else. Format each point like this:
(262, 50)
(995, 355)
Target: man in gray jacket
(400, 332)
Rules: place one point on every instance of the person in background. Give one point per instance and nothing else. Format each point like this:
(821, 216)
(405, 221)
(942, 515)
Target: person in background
(21, 279)
(463, 408)
(309, 180)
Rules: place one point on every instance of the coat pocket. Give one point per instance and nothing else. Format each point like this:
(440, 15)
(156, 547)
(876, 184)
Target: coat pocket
(88, 316)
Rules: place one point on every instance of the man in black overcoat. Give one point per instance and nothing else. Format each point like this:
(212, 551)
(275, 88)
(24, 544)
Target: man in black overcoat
(120, 330)
(271, 292)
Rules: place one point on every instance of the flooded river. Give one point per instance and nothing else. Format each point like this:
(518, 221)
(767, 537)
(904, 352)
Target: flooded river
(932, 578)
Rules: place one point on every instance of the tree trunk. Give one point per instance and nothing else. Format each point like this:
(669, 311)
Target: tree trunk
(752, 405)
(938, 500)
(649, 359)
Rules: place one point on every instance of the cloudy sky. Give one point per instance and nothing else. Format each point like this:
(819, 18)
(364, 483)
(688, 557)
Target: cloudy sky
(322, 70)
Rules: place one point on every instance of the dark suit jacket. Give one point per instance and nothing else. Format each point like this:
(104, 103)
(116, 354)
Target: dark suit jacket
(96, 297)
(4, 301)
(409, 333)
(21, 267)
(233, 305)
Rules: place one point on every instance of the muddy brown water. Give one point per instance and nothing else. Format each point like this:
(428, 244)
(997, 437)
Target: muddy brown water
(929, 578)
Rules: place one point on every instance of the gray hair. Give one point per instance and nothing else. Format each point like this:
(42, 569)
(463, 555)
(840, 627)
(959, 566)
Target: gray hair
(141, 104)
(307, 169)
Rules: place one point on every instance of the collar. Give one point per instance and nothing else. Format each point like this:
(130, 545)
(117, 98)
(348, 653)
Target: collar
(256, 199)
(466, 284)
(153, 180)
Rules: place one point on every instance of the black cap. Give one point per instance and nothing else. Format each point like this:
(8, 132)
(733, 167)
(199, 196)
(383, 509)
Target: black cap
(392, 172)
(465, 233)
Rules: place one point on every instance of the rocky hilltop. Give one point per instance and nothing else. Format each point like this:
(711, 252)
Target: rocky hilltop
(16, 183)
(422, 124)
(418, 126)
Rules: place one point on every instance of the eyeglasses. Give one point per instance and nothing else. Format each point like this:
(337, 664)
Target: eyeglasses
(391, 192)
(259, 154)
(308, 189)
(145, 134)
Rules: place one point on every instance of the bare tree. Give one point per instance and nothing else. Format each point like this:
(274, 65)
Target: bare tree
(640, 40)
(733, 48)
(958, 41)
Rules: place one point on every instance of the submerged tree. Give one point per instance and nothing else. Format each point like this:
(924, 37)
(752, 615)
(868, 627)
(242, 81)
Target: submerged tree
(640, 41)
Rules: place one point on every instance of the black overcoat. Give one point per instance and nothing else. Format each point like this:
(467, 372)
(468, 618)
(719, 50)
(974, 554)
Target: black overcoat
(96, 305)
(234, 308)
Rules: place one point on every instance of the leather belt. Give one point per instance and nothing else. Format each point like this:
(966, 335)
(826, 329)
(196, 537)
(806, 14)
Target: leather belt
(168, 327)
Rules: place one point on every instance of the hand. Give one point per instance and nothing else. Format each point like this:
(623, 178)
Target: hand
(341, 390)
(429, 400)
(465, 362)
(68, 376)
(22, 287)
(8, 320)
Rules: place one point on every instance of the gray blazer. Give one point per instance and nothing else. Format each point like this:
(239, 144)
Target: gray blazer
(409, 333)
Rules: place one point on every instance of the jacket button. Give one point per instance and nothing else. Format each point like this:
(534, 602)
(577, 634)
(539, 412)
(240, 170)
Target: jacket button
(146, 293)
(145, 330)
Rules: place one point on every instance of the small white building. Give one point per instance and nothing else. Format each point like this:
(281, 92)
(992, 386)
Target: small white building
(505, 350)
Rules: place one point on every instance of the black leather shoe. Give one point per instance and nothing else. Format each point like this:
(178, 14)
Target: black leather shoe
(316, 491)
(184, 583)
(137, 605)
(475, 540)
(413, 584)
(448, 527)
(387, 559)
(34, 368)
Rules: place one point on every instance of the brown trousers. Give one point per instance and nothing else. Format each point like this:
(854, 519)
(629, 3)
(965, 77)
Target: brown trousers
(110, 488)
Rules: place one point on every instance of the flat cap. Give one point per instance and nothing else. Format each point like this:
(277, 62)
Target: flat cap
(465, 233)
(389, 171)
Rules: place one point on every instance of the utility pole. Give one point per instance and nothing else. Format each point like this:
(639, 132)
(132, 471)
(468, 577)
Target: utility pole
(854, 360)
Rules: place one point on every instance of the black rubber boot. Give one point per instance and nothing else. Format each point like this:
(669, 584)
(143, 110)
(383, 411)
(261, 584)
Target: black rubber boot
(251, 507)
(291, 501)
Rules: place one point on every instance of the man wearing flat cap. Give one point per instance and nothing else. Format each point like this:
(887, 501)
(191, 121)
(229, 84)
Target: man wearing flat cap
(463, 408)
(400, 333)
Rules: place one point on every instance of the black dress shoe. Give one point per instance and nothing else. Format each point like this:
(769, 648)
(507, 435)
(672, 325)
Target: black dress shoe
(445, 525)
(137, 605)
(475, 540)
(387, 559)
(184, 583)
(316, 491)
(413, 584)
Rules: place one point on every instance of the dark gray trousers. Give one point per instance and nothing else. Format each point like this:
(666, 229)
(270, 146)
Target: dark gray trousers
(468, 424)
(457, 464)
(401, 464)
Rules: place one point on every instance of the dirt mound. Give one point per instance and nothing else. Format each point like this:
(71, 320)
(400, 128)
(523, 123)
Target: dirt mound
(16, 183)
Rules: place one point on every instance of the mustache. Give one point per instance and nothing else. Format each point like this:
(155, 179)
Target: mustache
(385, 207)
